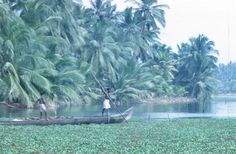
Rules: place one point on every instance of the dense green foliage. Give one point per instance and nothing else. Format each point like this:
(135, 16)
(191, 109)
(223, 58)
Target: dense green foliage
(197, 66)
(155, 136)
(54, 46)
(196, 69)
(227, 76)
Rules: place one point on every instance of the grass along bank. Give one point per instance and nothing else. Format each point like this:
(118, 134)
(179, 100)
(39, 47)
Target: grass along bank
(155, 136)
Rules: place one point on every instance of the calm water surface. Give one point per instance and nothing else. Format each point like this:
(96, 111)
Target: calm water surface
(220, 107)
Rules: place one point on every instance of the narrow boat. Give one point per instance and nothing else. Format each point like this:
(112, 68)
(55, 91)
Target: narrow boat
(118, 118)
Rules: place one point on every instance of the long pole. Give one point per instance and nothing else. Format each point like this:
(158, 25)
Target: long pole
(103, 90)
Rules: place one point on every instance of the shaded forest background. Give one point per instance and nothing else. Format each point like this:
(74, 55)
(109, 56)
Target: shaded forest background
(53, 47)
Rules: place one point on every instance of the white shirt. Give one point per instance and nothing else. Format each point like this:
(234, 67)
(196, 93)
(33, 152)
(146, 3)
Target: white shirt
(42, 108)
(106, 104)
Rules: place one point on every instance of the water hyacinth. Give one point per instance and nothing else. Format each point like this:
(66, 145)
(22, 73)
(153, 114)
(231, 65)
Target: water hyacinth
(154, 136)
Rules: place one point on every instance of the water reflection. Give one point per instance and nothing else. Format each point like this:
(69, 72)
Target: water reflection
(217, 108)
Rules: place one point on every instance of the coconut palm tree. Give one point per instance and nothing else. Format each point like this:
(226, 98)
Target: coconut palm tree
(53, 46)
(14, 38)
(101, 50)
(141, 26)
(31, 64)
(163, 66)
(132, 82)
(197, 65)
(150, 13)
(131, 37)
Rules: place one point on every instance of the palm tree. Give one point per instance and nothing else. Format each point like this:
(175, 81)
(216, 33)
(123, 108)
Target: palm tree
(130, 37)
(164, 61)
(67, 26)
(163, 66)
(102, 50)
(132, 82)
(14, 38)
(32, 64)
(103, 11)
(197, 64)
(141, 26)
(150, 13)
(53, 46)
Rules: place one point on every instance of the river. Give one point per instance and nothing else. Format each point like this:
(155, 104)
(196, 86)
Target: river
(220, 107)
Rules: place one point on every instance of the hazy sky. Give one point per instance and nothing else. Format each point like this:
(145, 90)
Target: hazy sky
(214, 18)
(185, 18)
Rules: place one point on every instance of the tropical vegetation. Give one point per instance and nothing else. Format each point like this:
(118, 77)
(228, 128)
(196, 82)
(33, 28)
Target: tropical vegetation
(197, 66)
(226, 75)
(154, 136)
(54, 47)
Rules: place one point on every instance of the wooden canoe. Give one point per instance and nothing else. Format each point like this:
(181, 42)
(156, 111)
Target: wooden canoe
(118, 118)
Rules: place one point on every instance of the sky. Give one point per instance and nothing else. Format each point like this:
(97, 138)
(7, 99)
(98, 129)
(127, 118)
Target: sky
(214, 18)
(188, 18)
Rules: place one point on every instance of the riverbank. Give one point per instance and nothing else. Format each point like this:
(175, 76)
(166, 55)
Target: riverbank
(155, 100)
(154, 136)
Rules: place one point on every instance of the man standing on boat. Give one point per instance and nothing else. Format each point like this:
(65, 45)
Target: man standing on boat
(42, 106)
(106, 102)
